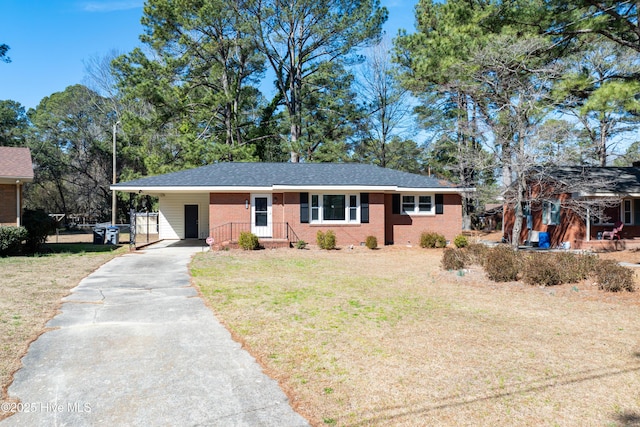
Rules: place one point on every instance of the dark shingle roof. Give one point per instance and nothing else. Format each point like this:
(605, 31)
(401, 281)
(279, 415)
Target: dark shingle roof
(608, 179)
(288, 174)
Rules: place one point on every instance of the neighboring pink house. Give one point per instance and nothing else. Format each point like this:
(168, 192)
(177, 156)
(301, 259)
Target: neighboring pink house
(286, 202)
(16, 169)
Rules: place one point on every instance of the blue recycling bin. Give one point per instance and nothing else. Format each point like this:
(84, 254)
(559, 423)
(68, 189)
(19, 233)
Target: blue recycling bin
(544, 241)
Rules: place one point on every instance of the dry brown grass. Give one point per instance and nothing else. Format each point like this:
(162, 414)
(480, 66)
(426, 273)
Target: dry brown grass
(30, 292)
(385, 337)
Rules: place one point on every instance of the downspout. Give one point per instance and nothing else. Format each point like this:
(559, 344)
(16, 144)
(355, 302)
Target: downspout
(588, 225)
(18, 204)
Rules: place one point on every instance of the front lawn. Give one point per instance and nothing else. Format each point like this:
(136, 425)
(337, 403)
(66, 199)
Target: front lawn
(359, 337)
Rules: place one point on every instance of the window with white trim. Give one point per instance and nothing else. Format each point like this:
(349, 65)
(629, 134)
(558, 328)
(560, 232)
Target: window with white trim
(551, 212)
(628, 211)
(418, 204)
(335, 208)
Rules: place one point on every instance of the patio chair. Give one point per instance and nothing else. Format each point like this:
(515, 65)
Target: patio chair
(615, 233)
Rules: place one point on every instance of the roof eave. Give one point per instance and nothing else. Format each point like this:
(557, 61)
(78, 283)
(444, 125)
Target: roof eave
(15, 179)
(284, 188)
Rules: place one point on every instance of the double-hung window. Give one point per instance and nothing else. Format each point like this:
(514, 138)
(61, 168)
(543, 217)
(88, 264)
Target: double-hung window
(417, 204)
(335, 208)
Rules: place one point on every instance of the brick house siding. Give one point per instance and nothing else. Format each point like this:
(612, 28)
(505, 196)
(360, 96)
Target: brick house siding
(388, 228)
(8, 207)
(406, 229)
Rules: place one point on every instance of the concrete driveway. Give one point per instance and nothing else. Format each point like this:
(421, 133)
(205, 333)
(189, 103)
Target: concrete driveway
(135, 345)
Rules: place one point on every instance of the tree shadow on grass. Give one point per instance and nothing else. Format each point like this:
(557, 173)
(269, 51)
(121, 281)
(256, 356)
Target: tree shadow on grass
(628, 418)
(76, 248)
(390, 414)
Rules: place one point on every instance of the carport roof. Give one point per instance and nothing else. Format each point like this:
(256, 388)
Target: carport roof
(286, 176)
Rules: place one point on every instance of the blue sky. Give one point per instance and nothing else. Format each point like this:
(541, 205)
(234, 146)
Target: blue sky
(50, 40)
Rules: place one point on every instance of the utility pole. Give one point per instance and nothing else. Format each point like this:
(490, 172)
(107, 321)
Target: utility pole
(113, 192)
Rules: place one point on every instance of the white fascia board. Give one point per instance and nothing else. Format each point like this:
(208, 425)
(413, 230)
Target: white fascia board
(325, 188)
(13, 179)
(603, 194)
(192, 190)
(435, 190)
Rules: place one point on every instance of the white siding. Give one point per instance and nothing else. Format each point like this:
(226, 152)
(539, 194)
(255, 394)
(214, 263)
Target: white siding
(171, 215)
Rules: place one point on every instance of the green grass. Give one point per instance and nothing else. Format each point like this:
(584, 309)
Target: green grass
(387, 338)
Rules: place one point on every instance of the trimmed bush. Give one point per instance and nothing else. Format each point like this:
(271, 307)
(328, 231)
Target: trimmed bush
(502, 264)
(371, 242)
(461, 241)
(477, 253)
(248, 241)
(541, 269)
(432, 240)
(573, 267)
(613, 277)
(301, 244)
(326, 240)
(39, 225)
(454, 259)
(11, 239)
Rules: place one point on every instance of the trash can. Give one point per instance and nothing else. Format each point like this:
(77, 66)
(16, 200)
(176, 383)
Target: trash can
(98, 235)
(112, 236)
(544, 241)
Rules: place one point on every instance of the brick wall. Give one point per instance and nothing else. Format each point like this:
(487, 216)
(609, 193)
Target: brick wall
(230, 208)
(406, 229)
(8, 204)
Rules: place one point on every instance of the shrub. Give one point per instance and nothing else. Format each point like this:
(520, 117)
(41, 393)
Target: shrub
(501, 264)
(39, 225)
(613, 277)
(10, 239)
(541, 269)
(477, 253)
(301, 244)
(454, 258)
(326, 240)
(371, 242)
(461, 241)
(432, 240)
(574, 268)
(248, 241)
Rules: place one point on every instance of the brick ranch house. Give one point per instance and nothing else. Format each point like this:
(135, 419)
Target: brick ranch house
(568, 210)
(16, 169)
(292, 201)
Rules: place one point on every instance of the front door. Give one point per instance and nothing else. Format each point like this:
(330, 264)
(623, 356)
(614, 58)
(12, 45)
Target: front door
(261, 224)
(190, 221)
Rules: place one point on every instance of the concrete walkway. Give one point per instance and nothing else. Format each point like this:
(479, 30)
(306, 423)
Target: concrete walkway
(135, 345)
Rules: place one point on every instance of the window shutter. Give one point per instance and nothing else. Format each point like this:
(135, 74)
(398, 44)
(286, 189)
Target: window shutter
(364, 207)
(555, 212)
(439, 204)
(395, 204)
(304, 208)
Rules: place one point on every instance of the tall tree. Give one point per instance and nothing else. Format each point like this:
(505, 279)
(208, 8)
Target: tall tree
(71, 148)
(613, 19)
(201, 77)
(598, 88)
(447, 35)
(14, 124)
(388, 113)
(298, 37)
